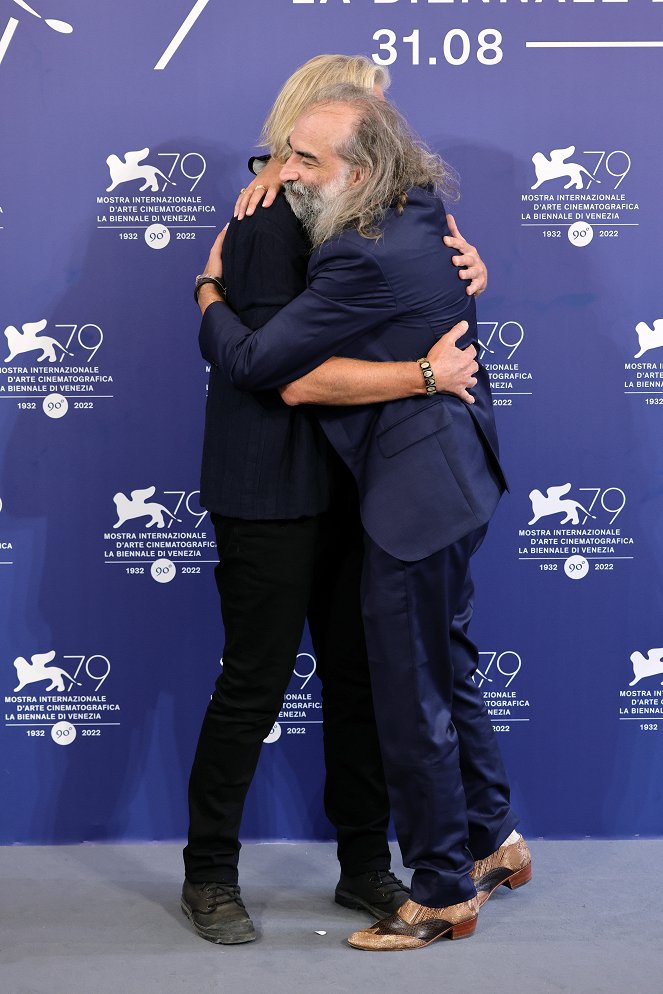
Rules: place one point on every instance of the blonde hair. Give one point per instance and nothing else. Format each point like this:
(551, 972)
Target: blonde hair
(306, 85)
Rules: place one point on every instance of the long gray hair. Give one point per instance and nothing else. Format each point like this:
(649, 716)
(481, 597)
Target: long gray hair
(390, 158)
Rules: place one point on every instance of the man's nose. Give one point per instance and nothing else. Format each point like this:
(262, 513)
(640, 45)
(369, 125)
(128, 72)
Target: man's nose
(289, 171)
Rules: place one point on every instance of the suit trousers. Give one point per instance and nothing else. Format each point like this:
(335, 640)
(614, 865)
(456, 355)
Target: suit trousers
(273, 575)
(447, 785)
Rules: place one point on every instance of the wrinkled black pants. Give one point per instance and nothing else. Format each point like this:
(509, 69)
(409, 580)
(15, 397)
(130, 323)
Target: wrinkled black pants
(273, 575)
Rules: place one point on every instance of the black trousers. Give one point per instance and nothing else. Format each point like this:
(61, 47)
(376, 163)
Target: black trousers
(273, 575)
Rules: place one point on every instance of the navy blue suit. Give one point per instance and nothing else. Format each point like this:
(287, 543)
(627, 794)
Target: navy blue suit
(429, 479)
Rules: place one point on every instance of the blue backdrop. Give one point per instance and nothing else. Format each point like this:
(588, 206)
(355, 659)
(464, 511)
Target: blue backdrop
(126, 132)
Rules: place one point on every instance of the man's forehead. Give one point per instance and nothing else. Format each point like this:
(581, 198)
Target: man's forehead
(322, 127)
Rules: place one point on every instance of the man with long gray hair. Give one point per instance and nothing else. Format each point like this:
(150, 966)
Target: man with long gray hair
(381, 286)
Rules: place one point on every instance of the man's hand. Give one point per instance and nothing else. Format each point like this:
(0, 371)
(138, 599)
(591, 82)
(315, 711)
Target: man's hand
(469, 261)
(454, 369)
(265, 185)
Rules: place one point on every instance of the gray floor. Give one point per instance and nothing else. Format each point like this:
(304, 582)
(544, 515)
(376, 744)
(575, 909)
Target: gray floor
(106, 920)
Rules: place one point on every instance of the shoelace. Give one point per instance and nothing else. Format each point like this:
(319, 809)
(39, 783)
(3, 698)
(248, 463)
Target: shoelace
(219, 893)
(386, 881)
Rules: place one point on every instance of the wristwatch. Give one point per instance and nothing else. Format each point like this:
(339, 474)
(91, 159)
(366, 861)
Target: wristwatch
(208, 278)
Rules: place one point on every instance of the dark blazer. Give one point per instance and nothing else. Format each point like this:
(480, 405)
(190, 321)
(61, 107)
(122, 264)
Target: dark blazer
(261, 459)
(427, 468)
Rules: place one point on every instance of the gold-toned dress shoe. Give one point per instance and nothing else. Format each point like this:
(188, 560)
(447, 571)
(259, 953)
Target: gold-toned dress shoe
(510, 865)
(414, 926)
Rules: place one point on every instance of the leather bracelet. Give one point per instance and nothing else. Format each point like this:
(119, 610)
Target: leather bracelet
(206, 278)
(429, 376)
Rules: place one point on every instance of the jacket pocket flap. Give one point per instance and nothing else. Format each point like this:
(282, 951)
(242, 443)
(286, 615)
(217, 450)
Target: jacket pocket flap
(413, 428)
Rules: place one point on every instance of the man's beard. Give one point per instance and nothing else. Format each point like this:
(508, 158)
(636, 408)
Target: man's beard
(312, 205)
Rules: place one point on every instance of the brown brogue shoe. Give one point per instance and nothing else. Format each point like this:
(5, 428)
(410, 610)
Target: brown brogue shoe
(414, 926)
(510, 865)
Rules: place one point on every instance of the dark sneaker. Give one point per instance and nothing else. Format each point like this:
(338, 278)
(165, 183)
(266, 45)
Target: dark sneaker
(377, 891)
(217, 912)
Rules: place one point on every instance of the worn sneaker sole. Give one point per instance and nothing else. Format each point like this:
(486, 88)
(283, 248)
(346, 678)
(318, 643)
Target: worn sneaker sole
(230, 934)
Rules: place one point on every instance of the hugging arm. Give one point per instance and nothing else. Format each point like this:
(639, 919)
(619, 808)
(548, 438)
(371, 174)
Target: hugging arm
(347, 297)
(357, 381)
(335, 380)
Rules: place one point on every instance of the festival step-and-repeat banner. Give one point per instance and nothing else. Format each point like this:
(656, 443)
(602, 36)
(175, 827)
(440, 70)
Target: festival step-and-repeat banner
(127, 127)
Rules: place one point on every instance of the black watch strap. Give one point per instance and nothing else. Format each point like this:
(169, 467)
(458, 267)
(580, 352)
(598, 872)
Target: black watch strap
(207, 278)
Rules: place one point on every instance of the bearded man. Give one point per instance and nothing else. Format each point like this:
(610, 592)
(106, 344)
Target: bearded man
(429, 480)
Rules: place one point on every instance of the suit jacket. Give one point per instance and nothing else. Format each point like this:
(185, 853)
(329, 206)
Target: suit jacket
(427, 468)
(262, 459)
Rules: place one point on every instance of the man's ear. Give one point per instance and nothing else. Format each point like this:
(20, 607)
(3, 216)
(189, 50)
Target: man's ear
(357, 176)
